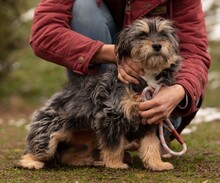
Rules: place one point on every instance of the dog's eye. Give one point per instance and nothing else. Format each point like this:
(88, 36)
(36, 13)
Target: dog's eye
(143, 35)
(163, 34)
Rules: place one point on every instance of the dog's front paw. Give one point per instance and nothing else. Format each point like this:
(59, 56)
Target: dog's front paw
(161, 166)
(117, 165)
(29, 161)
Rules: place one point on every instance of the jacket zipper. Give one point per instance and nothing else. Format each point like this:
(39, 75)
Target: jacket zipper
(128, 9)
(128, 6)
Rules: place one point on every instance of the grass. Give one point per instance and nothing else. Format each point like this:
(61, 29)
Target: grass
(199, 164)
(32, 81)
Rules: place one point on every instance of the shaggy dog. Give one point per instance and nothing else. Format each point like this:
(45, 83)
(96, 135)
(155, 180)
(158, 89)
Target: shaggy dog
(106, 109)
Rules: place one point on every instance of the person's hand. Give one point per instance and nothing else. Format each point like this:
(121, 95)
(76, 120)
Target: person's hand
(129, 71)
(161, 106)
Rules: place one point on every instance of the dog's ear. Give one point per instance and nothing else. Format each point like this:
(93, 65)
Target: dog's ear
(123, 43)
(174, 36)
(174, 40)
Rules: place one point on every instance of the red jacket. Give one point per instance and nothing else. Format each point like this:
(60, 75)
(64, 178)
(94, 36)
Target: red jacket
(53, 40)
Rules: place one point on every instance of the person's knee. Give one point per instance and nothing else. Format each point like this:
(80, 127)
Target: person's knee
(85, 10)
(93, 21)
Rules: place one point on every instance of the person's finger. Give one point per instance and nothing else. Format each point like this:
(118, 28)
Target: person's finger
(149, 104)
(131, 67)
(136, 67)
(153, 112)
(153, 119)
(129, 70)
(148, 113)
(123, 76)
(122, 79)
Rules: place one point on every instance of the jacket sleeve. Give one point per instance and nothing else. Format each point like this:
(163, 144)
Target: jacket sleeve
(189, 20)
(52, 38)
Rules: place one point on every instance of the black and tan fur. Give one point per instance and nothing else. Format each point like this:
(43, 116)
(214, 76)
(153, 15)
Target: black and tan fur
(106, 109)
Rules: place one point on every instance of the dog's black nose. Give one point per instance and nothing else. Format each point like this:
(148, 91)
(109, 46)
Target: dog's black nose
(156, 47)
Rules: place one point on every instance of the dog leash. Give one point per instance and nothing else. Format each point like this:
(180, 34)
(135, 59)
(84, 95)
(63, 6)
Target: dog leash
(147, 94)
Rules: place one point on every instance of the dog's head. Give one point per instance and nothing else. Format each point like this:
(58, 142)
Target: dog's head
(152, 43)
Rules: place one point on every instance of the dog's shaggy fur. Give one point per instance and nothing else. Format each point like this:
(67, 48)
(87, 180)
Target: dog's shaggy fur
(106, 109)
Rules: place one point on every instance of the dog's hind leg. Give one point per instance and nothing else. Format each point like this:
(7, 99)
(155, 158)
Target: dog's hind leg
(113, 158)
(35, 159)
(81, 151)
(150, 153)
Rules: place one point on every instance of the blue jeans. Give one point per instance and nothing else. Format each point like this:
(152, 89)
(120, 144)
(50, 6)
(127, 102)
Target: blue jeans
(97, 23)
(94, 22)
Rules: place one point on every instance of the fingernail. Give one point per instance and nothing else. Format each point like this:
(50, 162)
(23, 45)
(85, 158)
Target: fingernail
(139, 106)
(141, 73)
(137, 82)
(144, 121)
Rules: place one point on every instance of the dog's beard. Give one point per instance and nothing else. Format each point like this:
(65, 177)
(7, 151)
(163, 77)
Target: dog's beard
(151, 60)
(155, 62)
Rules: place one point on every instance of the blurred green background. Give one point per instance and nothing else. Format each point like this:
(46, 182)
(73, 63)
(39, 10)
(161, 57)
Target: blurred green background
(26, 81)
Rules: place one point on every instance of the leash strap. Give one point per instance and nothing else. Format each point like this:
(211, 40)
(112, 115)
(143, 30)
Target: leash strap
(147, 94)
